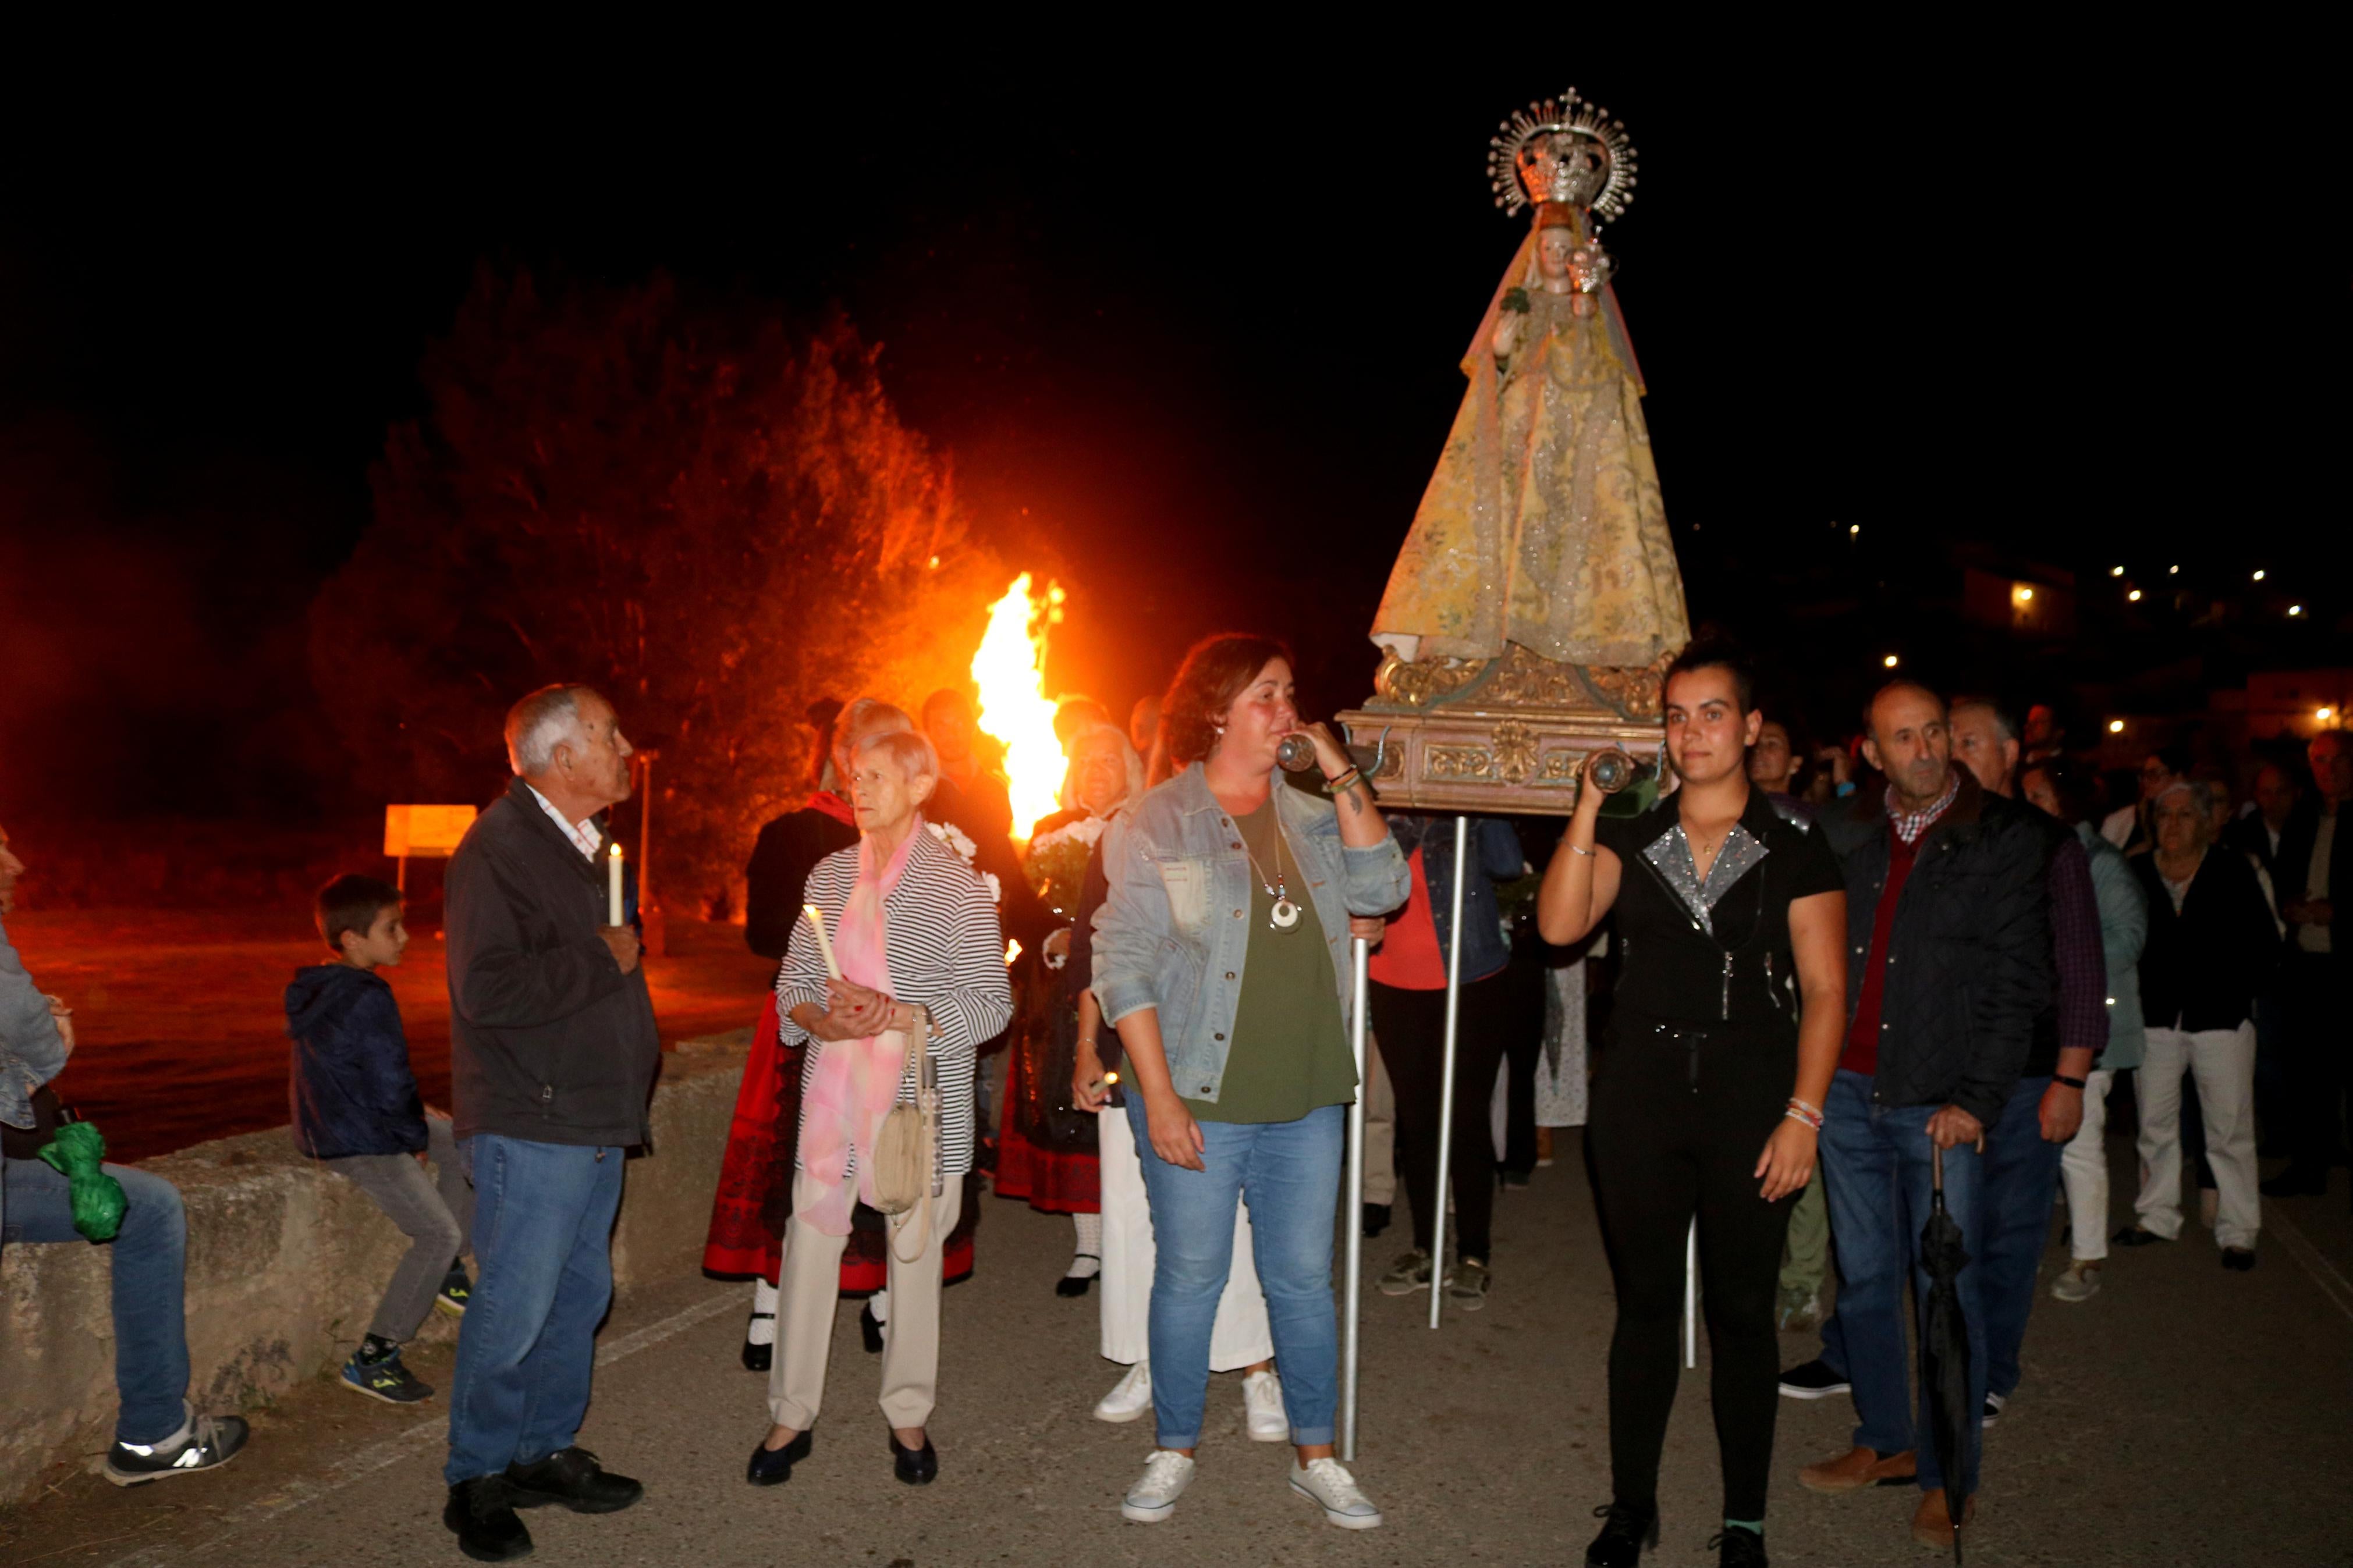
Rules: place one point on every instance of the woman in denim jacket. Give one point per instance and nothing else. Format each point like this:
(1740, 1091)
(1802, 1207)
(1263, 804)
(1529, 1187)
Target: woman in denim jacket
(1220, 958)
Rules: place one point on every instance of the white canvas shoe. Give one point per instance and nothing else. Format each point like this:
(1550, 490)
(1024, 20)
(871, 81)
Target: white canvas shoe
(2078, 1282)
(1154, 1496)
(1336, 1491)
(1130, 1398)
(1263, 1408)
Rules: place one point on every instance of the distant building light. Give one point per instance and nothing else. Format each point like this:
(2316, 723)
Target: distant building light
(1852, 529)
(2259, 574)
(2116, 571)
(1889, 661)
(2116, 726)
(2021, 593)
(2173, 571)
(935, 562)
(2295, 609)
(2135, 597)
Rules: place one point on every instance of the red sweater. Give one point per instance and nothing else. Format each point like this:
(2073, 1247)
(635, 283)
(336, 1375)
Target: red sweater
(1862, 1053)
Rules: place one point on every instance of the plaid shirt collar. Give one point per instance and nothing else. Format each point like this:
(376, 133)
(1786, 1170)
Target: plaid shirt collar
(584, 835)
(1910, 825)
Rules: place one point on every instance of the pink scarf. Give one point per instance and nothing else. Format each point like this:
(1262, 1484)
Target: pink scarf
(855, 1082)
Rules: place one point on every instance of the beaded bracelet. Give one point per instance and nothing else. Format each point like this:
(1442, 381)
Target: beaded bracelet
(1803, 1114)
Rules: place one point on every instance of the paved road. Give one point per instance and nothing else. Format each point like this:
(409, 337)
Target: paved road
(2185, 1417)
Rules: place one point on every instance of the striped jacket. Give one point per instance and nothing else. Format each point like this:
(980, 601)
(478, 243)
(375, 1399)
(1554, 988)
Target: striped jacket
(946, 954)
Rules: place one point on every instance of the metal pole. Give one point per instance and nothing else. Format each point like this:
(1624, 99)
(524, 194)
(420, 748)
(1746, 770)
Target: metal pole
(1446, 1082)
(1690, 1296)
(1352, 1290)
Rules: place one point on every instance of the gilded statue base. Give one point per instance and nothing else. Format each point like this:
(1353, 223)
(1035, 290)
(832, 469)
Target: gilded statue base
(1502, 737)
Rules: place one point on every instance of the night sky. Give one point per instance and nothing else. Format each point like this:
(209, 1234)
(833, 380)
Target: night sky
(1192, 341)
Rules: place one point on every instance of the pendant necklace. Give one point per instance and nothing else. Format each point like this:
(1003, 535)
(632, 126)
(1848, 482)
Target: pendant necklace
(1285, 916)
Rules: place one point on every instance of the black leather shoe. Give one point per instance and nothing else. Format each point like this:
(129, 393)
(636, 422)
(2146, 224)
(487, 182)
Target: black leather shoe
(2134, 1235)
(1377, 1219)
(758, 1358)
(869, 1329)
(572, 1477)
(1077, 1284)
(916, 1467)
(1737, 1548)
(774, 1466)
(2241, 1259)
(1627, 1532)
(481, 1512)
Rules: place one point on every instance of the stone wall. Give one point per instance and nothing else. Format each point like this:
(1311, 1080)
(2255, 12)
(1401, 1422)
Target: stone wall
(286, 1262)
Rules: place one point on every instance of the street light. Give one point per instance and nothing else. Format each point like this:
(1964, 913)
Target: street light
(2259, 574)
(2295, 609)
(2324, 714)
(2116, 571)
(2134, 597)
(1889, 661)
(2116, 726)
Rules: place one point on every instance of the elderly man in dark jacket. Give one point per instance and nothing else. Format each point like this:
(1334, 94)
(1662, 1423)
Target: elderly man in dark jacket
(1948, 949)
(552, 1053)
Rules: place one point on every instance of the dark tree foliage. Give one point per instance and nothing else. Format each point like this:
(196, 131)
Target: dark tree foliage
(709, 517)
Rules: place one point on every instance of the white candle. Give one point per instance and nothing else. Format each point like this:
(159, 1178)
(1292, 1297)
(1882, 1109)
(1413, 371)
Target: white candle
(613, 885)
(824, 946)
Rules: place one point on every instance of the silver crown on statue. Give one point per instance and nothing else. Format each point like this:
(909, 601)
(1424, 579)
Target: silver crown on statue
(1562, 150)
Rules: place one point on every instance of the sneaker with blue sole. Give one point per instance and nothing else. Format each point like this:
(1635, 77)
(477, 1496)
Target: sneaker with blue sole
(386, 1380)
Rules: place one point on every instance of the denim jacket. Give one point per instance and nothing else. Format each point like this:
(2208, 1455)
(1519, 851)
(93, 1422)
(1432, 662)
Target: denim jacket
(1495, 856)
(32, 1052)
(1176, 928)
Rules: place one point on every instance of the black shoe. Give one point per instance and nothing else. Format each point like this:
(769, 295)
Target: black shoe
(386, 1380)
(457, 1292)
(2241, 1259)
(869, 1329)
(1078, 1284)
(1737, 1548)
(1514, 1181)
(774, 1466)
(211, 1440)
(916, 1467)
(2294, 1185)
(1376, 1218)
(759, 1358)
(1814, 1379)
(481, 1512)
(1626, 1533)
(2136, 1236)
(573, 1478)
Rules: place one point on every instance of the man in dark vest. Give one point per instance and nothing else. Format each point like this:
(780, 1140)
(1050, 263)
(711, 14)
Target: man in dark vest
(552, 1057)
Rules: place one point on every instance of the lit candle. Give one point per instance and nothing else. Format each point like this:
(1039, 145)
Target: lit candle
(824, 947)
(613, 885)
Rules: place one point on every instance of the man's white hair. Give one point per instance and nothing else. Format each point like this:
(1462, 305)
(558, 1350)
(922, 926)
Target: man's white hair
(543, 722)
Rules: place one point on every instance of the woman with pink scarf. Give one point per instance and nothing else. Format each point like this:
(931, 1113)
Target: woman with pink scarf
(914, 933)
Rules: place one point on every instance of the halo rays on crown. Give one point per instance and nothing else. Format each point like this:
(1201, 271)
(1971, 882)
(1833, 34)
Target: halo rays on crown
(1549, 152)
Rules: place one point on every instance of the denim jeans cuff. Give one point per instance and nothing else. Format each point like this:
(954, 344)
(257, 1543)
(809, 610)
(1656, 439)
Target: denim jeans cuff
(1176, 1440)
(1311, 1437)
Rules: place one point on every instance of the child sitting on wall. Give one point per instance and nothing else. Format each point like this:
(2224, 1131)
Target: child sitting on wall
(355, 1109)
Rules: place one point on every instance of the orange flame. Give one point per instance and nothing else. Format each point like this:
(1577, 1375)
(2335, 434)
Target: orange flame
(1009, 669)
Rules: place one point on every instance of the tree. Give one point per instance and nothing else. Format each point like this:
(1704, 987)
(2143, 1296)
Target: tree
(709, 517)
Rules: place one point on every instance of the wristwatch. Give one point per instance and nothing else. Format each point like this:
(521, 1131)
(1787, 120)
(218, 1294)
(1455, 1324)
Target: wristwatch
(2075, 1083)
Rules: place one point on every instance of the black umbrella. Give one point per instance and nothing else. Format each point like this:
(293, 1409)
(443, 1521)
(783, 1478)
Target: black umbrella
(1944, 1349)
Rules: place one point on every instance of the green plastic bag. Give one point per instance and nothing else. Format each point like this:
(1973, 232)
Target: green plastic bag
(98, 1201)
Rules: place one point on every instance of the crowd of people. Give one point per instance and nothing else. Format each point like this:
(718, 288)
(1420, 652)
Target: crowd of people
(1834, 989)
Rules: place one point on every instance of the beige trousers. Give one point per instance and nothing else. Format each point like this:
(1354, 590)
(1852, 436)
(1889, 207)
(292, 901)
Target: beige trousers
(1380, 1129)
(808, 1285)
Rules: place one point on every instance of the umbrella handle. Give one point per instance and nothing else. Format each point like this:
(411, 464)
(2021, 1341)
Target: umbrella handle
(1937, 1162)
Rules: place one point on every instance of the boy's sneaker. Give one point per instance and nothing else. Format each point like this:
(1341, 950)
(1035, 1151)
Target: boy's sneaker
(456, 1292)
(1263, 1409)
(1467, 1283)
(2079, 1281)
(1406, 1275)
(1154, 1496)
(1814, 1379)
(386, 1380)
(201, 1444)
(1336, 1492)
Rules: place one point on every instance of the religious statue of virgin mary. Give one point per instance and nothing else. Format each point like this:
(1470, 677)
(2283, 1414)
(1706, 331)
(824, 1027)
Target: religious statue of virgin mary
(1542, 525)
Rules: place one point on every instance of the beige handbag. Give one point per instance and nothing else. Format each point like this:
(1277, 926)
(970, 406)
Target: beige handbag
(906, 1151)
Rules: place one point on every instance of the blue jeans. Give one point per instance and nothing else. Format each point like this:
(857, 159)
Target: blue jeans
(544, 1276)
(1289, 1175)
(2022, 1182)
(149, 1256)
(1875, 1171)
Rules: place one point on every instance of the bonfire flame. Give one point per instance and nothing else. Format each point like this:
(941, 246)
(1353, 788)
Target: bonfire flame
(1009, 669)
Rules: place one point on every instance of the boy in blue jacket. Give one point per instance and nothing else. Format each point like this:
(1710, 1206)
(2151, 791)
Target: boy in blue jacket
(356, 1109)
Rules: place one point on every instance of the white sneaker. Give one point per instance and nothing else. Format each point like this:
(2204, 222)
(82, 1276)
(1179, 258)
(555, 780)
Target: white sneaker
(1336, 1491)
(1262, 1407)
(2076, 1282)
(1154, 1496)
(1130, 1398)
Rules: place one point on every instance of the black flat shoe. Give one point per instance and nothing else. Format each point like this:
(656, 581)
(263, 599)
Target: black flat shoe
(2241, 1259)
(869, 1329)
(1627, 1532)
(1079, 1284)
(916, 1467)
(759, 1358)
(573, 1478)
(481, 1512)
(774, 1466)
(1377, 1219)
(1738, 1547)
(2134, 1235)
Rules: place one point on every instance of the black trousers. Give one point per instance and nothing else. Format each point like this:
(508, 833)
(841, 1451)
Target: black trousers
(1676, 1127)
(1524, 1015)
(1412, 1026)
(2319, 1059)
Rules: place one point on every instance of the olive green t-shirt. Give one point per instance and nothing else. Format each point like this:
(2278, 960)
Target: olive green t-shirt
(1290, 1051)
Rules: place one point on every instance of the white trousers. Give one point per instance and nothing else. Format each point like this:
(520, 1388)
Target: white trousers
(2223, 1062)
(2083, 1167)
(1240, 1337)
